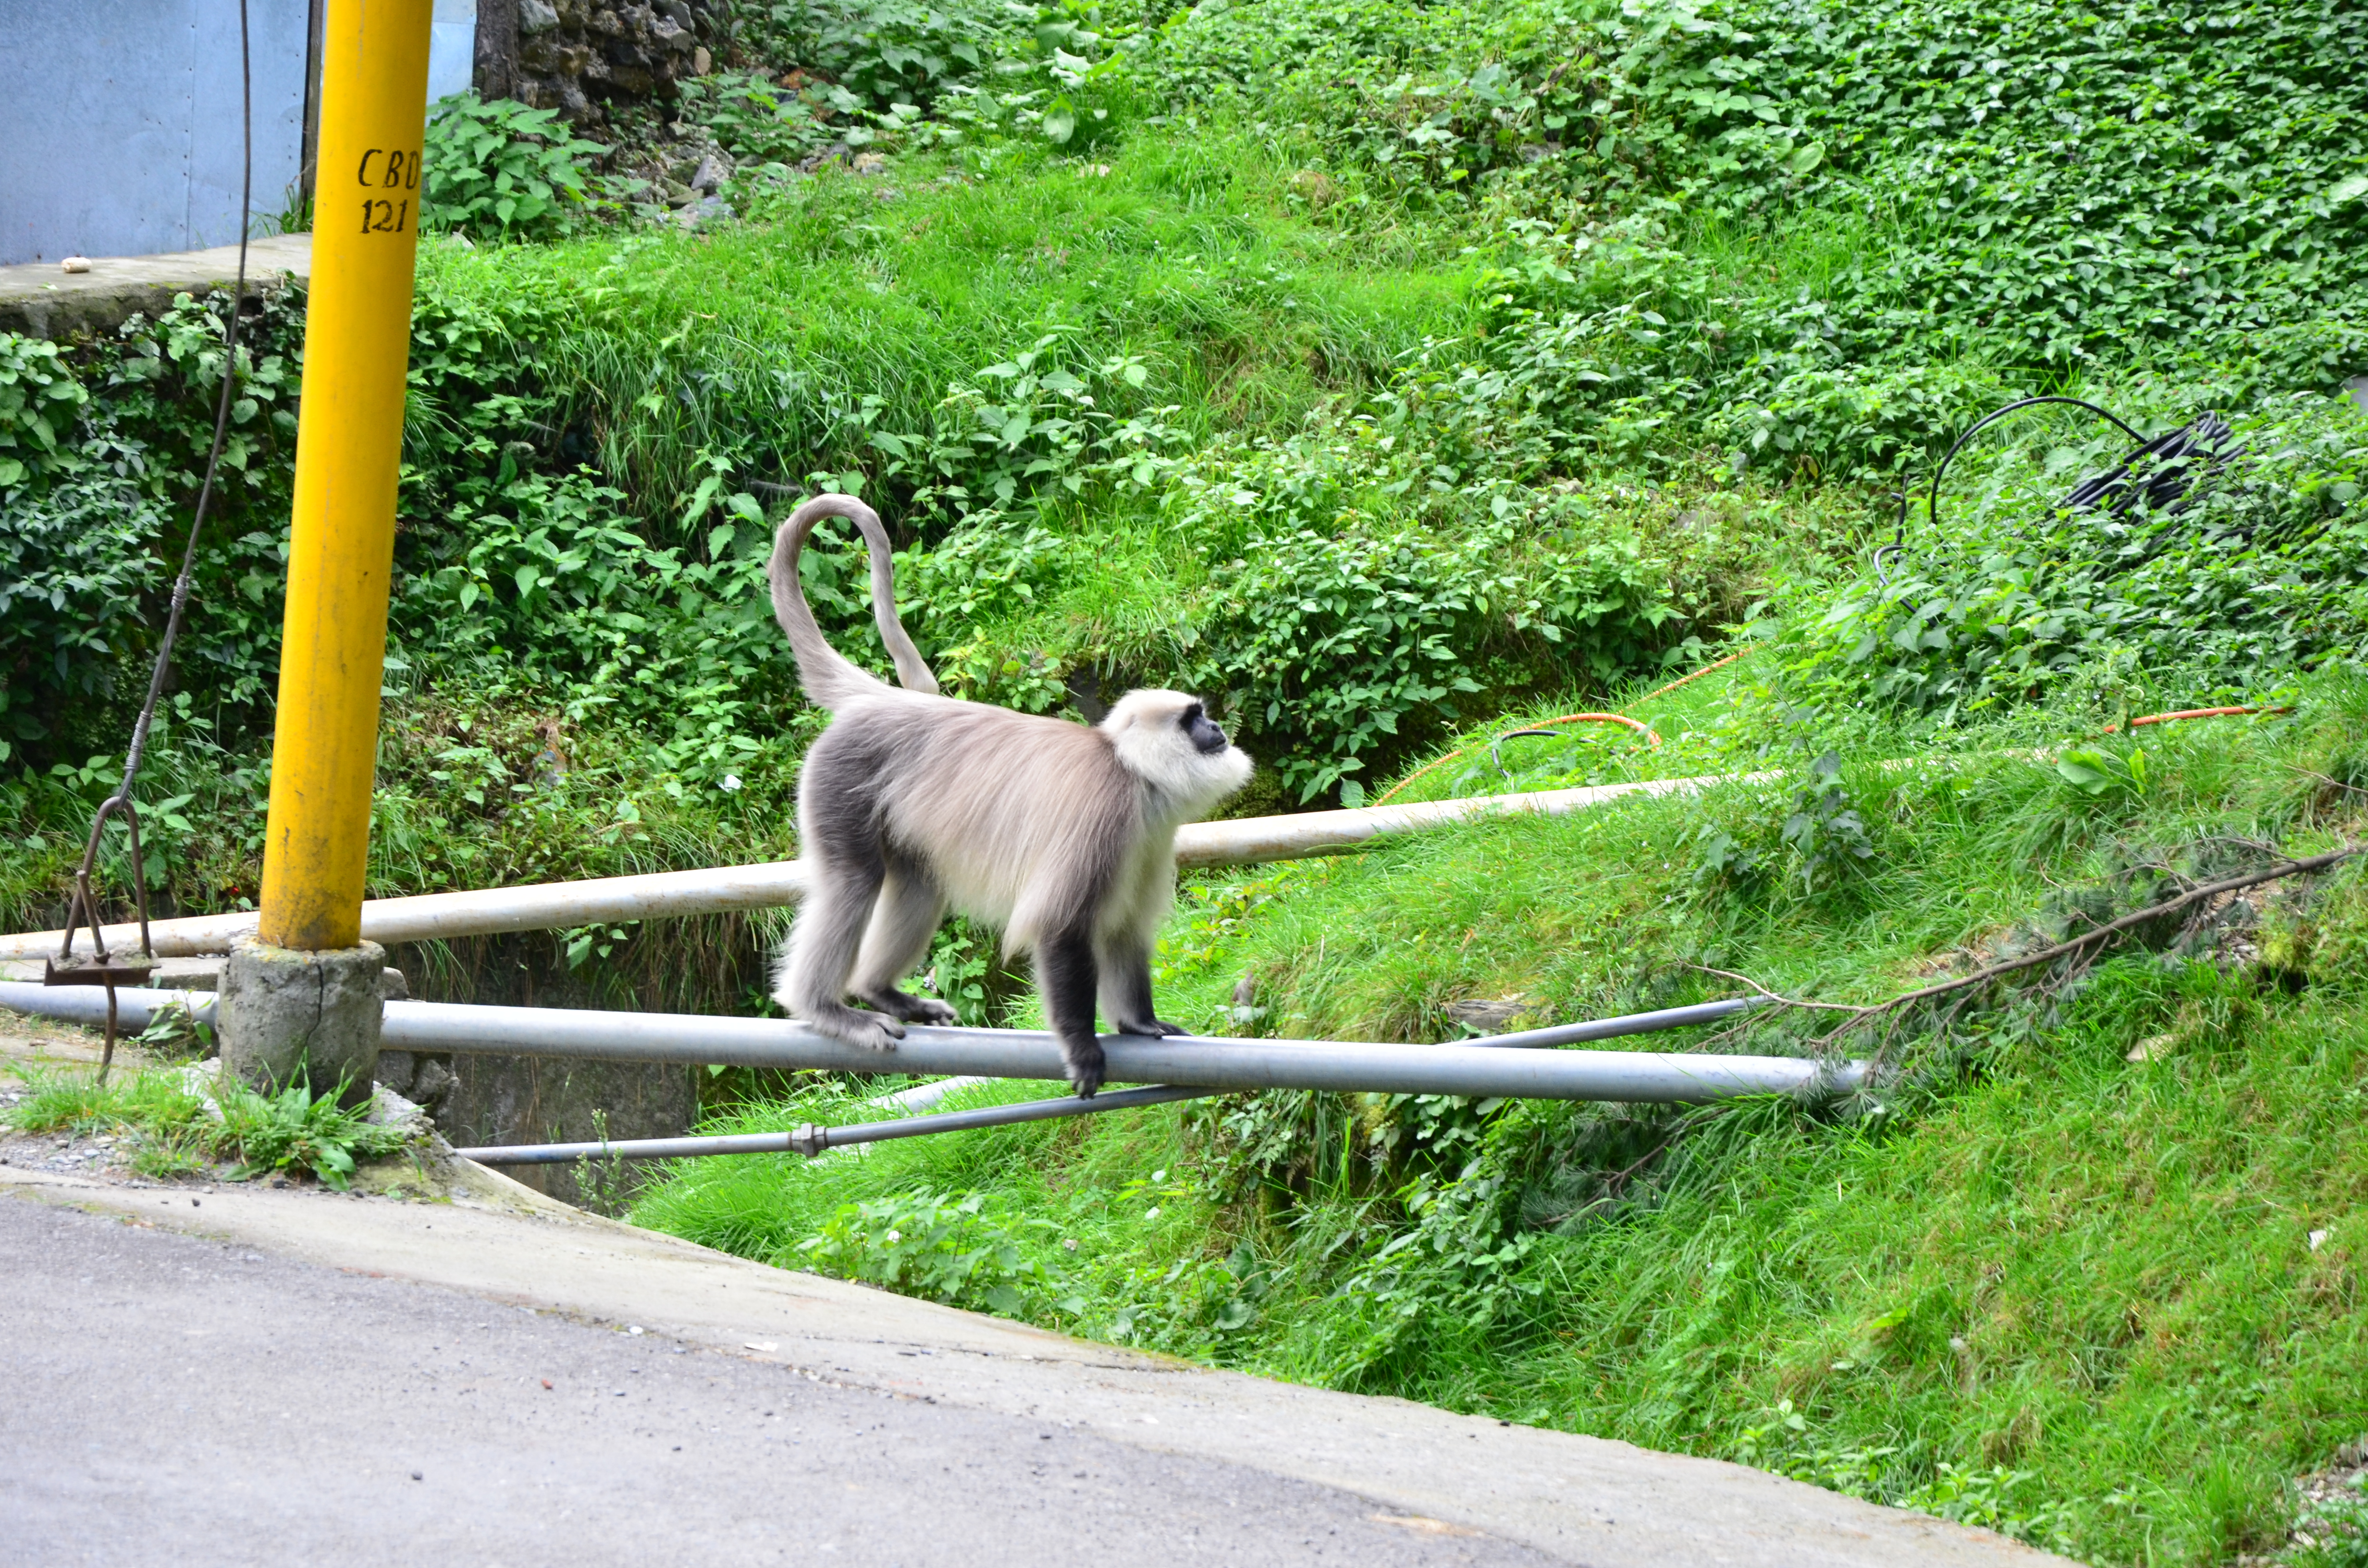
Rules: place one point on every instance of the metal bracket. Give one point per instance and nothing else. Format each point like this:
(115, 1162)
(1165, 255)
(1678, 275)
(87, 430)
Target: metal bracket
(95, 971)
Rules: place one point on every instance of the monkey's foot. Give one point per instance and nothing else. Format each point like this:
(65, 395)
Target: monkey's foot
(1152, 1028)
(872, 1031)
(1084, 1066)
(912, 1009)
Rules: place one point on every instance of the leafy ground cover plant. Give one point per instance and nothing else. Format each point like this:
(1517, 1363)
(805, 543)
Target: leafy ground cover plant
(498, 169)
(2224, 597)
(926, 1244)
(2029, 138)
(294, 1129)
(762, 124)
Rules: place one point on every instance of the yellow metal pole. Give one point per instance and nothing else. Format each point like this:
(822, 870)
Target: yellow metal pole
(348, 453)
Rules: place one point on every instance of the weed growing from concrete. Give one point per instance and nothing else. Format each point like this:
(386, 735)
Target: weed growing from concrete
(178, 1131)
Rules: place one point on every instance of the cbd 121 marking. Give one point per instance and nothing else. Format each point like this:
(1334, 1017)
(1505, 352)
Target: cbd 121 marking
(388, 168)
(394, 169)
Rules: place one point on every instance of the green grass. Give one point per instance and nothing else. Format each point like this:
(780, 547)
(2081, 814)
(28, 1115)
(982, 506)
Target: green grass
(2031, 1284)
(892, 288)
(176, 1132)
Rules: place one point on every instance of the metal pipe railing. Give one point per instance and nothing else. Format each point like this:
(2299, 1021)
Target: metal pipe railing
(813, 1138)
(423, 917)
(1479, 1069)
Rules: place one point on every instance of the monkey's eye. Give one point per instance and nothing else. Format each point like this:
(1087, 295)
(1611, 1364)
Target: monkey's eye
(1191, 716)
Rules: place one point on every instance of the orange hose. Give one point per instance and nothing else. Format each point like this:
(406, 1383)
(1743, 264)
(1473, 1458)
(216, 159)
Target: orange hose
(1665, 690)
(1570, 718)
(2194, 713)
(1636, 725)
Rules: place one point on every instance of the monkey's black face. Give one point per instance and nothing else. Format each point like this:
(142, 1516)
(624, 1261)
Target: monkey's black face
(1207, 739)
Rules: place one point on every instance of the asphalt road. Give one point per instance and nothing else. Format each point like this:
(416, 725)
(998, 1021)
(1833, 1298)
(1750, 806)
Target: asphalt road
(168, 1399)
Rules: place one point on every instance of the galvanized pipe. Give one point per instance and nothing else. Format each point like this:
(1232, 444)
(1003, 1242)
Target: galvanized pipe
(813, 1139)
(136, 1006)
(923, 1097)
(1626, 1024)
(620, 900)
(490, 911)
(1480, 1071)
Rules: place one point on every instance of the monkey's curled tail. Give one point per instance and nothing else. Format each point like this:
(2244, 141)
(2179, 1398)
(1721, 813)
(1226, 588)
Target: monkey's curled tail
(829, 679)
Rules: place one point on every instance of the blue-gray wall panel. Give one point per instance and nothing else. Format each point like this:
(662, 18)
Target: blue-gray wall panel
(452, 49)
(120, 123)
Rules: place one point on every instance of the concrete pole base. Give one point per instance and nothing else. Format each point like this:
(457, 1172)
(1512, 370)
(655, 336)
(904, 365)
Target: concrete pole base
(283, 1014)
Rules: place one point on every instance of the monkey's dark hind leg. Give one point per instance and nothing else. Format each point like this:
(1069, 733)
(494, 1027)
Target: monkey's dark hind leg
(905, 917)
(821, 951)
(1126, 988)
(1064, 973)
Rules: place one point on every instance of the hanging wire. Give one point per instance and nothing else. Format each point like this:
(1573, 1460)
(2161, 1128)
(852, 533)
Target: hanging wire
(1497, 746)
(1898, 545)
(100, 969)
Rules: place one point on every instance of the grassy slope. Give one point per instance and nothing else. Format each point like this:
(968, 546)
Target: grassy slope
(2045, 1288)
(1187, 251)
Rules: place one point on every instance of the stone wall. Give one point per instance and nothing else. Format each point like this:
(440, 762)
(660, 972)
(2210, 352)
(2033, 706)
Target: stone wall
(586, 57)
(709, 964)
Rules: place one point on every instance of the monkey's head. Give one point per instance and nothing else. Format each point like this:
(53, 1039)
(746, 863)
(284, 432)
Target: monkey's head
(1168, 740)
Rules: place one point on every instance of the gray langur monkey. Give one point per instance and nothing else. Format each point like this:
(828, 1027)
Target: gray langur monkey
(911, 804)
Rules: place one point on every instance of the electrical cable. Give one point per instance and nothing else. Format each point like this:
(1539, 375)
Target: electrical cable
(101, 970)
(1497, 746)
(1898, 545)
(2117, 488)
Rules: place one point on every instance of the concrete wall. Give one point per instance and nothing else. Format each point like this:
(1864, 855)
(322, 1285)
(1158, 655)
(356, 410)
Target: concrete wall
(451, 49)
(119, 126)
(701, 966)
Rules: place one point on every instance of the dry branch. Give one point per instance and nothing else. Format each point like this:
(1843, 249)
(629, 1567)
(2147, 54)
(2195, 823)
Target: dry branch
(2082, 946)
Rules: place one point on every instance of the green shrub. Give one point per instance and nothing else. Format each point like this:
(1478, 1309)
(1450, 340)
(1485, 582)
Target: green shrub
(76, 566)
(500, 168)
(38, 394)
(926, 1244)
(1326, 644)
(893, 52)
(87, 532)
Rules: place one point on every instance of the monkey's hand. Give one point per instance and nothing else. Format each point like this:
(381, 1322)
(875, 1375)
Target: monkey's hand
(1152, 1028)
